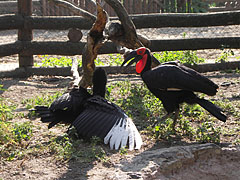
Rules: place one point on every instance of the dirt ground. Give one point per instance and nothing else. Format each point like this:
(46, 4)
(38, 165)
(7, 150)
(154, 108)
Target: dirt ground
(224, 165)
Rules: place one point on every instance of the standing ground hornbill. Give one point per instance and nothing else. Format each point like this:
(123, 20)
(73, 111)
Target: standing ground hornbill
(174, 84)
(93, 115)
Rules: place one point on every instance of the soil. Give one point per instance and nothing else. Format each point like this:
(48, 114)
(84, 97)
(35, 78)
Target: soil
(46, 167)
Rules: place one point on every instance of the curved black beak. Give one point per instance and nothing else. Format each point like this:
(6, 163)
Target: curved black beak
(133, 56)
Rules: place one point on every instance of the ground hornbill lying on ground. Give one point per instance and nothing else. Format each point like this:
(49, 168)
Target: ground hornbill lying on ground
(174, 84)
(93, 115)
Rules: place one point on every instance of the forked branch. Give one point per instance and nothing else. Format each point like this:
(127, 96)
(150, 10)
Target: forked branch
(95, 40)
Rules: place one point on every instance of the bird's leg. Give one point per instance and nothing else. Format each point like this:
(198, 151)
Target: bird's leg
(162, 119)
(175, 119)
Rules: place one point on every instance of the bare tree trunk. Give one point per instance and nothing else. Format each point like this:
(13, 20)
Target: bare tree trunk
(95, 40)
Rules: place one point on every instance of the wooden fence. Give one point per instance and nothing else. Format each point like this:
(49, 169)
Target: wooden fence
(25, 47)
(148, 6)
(48, 8)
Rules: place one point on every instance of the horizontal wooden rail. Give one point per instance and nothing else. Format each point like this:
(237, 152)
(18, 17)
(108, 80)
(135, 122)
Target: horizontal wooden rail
(58, 23)
(69, 48)
(195, 44)
(11, 48)
(66, 71)
(140, 21)
(186, 19)
(9, 22)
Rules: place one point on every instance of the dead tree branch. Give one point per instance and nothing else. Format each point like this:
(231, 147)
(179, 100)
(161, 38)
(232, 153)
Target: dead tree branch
(95, 40)
(129, 38)
(124, 34)
(74, 9)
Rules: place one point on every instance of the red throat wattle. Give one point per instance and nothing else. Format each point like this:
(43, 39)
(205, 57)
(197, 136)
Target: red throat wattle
(141, 64)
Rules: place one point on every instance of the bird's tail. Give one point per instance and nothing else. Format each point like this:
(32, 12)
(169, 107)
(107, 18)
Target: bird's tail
(46, 115)
(212, 109)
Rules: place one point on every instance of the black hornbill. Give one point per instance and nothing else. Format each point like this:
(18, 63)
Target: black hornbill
(92, 115)
(174, 84)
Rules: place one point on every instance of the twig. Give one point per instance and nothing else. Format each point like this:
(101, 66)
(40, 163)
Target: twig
(74, 9)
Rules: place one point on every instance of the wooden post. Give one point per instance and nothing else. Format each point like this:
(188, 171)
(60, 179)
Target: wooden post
(25, 33)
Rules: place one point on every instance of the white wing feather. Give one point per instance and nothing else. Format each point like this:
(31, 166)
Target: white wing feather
(137, 136)
(125, 136)
(131, 138)
(109, 135)
(118, 136)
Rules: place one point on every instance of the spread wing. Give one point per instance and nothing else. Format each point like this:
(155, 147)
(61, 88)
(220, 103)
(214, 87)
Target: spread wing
(71, 101)
(107, 121)
(170, 76)
(64, 109)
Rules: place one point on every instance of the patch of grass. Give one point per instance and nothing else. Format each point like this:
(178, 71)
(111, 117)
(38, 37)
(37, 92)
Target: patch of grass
(136, 100)
(115, 59)
(112, 60)
(69, 148)
(53, 62)
(207, 132)
(14, 138)
(6, 110)
(45, 100)
(185, 57)
(229, 107)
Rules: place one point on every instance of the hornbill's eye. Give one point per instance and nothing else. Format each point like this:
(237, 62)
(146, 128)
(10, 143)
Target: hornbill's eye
(141, 51)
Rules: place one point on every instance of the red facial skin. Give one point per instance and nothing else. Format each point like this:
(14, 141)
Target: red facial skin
(141, 64)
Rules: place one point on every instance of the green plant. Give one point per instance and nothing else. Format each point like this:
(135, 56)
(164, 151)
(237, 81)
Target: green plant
(45, 99)
(53, 62)
(192, 110)
(208, 133)
(6, 110)
(224, 55)
(187, 57)
(1, 88)
(116, 59)
(163, 130)
(62, 146)
(123, 151)
(112, 60)
(22, 131)
(13, 138)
